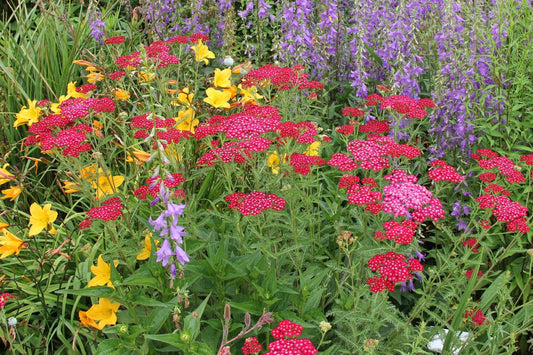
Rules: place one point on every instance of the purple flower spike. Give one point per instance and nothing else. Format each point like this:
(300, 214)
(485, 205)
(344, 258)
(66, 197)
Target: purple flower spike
(181, 255)
(164, 253)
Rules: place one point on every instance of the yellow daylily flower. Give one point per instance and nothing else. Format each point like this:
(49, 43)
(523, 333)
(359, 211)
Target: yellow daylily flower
(146, 76)
(274, 162)
(202, 53)
(11, 193)
(70, 187)
(72, 93)
(222, 78)
(217, 98)
(121, 94)
(55, 106)
(82, 62)
(173, 151)
(242, 68)
(249, 95)
(186, 121)
(147, 247)
(94, 75)
(90, 173)
(104, 312)
(312, 150)
(102, 273)
(137, 156)
(86, 321)
(107, 185)
(5, 176)
(10, 244)
(3, 225)
(41, 218)
(28, 115)
(184, 97)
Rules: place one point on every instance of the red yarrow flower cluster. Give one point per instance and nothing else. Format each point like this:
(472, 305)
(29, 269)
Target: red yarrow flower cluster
(286, 342)
(472, 244)
(153, 186)
(302, 163)
(528, 159)
(287, 329)
(345, 130)
(3, 298)
(353, 112)
(393, 268)
(477, 317)
(302, 132)
(373, 99)
(110, 210)
(441, 171)
(401, 232)
(115, 40)
(195, 37)
(470, 272)
(251, 122)
(375, 151)
(506, 210)
(228, 153)
(255, 202)
(282, 78)
(342, 161)
(375, 126)
(251, 346)
(407, 106)
(360, 192)
(505, 166)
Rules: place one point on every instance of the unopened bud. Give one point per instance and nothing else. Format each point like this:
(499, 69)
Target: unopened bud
(247, 320)
(123, 329)
(227, 312)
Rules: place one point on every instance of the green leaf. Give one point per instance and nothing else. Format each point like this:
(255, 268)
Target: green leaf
(142, 277)
(170, 339)
(192, 321)
(112, 347)
(96, 291)
(492, 291)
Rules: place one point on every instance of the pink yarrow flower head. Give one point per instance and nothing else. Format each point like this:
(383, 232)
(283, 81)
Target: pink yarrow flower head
(403, 197)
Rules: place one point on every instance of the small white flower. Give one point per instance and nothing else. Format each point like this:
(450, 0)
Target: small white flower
(436, 344)
(228, 61)
(12, 321)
